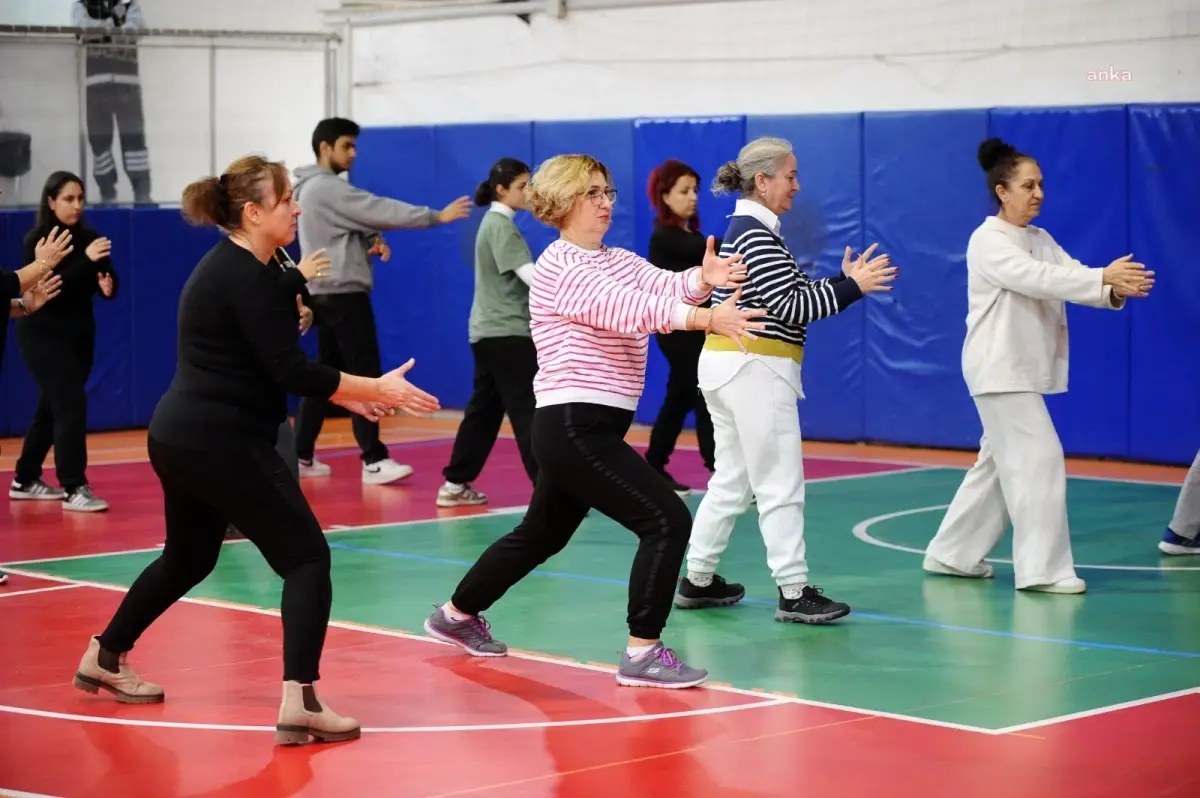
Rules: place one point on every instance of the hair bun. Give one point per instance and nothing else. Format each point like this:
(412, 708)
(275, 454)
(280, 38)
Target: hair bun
(992, 151)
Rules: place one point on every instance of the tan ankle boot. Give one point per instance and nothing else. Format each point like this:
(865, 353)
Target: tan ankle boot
(126, 685)
(298, 722)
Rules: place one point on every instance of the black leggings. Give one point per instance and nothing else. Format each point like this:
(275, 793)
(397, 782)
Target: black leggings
(584, 462)
(251, 488)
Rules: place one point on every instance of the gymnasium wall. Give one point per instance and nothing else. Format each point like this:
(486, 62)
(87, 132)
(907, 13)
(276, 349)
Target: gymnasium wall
(1119, 179)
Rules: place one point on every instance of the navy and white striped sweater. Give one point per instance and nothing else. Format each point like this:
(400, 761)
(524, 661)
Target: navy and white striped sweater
(776, 283)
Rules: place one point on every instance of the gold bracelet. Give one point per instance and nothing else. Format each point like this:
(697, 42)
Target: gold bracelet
(690, 324)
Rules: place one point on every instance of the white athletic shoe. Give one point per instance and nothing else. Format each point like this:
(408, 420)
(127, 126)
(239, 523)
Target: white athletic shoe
(385, 472)
(1071, 585)
(981, 570)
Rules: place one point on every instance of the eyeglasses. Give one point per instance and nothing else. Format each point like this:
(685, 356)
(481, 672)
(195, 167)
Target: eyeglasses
(595, 195)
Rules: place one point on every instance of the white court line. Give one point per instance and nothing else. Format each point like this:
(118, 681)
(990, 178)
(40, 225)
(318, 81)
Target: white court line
(340, 528)
(860, 531)
(1088, 713)
(768, 698)
(10, 593)
(770, 701)
(5, 793)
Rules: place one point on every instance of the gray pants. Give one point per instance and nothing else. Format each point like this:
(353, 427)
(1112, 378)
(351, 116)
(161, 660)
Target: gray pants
(1186, 521)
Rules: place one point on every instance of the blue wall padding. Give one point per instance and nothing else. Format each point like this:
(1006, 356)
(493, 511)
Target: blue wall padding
(1076, 150)
(1117, 180)
(1164, 214)
(923, 197)
(704, 144)
(827, 216)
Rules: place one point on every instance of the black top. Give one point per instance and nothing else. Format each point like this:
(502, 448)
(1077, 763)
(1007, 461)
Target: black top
(10, 288)
(238, 355)
(677, 250)
(80, 279)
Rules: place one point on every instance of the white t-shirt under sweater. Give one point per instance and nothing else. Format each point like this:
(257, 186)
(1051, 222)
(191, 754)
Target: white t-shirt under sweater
(1018, 279)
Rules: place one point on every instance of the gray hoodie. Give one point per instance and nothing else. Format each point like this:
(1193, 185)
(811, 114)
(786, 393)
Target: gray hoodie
(343, 220)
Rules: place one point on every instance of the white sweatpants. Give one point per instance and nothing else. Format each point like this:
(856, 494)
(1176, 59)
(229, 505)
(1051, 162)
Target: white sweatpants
(1186, 521)
(1019, 476)
(756, 429)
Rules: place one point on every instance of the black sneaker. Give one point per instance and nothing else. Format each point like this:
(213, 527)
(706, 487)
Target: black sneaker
(717, 593)
(676, 485)
(811, 607)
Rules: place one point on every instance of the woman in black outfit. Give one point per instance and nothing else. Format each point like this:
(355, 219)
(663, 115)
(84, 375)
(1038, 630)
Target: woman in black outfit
(26, 290)
(678, 245)
(212, 444)
(58, 346)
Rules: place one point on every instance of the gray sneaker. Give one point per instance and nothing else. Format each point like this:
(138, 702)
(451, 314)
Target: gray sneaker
(659, 667)
(471, 635)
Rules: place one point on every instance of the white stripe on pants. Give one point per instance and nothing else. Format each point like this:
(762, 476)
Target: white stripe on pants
(756, 429)
(1186, 521)
(1019, 476)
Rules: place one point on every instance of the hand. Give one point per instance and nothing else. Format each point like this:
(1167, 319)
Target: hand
(98, 249)
(871, 275)
(372, 411)
(721, 272)
(1128, 278)
(314, 265)
(728, 320)
(381, 249)
(397, 392)
(459, 209)
(42, 293)
(306, 315)
(106, 284)
(53, 248)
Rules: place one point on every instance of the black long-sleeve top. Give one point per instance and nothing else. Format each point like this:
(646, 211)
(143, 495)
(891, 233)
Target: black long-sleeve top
(238, 355)
(80, 278)
(677, 249)
(10, 288)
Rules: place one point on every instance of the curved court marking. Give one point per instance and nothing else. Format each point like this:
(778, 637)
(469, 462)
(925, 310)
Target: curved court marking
(860, 532)
(549, 724)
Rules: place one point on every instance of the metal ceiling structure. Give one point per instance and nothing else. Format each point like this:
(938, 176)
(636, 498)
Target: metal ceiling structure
(374, 13)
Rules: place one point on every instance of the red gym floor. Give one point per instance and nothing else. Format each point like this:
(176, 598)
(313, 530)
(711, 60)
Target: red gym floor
(554, 723)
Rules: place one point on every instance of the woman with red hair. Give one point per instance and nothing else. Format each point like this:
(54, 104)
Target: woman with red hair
(678, 245)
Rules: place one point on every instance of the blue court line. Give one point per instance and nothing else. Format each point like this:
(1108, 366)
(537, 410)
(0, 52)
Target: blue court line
(869, 615)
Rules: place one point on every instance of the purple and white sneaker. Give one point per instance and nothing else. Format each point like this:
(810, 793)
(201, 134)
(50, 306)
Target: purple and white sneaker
(659, 667)
(471, 634)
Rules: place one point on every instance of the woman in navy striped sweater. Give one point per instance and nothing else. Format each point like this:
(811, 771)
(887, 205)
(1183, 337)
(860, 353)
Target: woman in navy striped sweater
(751, 391)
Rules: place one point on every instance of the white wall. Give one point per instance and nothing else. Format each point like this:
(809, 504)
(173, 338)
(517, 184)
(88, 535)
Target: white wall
(779, 56)
(266, 100)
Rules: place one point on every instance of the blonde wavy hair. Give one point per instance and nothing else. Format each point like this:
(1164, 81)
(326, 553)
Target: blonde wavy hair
(558, 185)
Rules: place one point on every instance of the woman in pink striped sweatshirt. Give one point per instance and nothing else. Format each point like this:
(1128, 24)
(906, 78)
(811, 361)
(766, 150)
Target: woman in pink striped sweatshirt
(592, 311)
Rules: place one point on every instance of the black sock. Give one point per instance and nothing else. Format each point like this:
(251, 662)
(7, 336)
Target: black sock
(109, 661)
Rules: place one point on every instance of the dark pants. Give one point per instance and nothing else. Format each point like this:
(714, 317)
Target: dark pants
(60, 360)
(249, 487)
(504, 372)
(585, 462)
(347, 341)
(682, 351)
(120, 103)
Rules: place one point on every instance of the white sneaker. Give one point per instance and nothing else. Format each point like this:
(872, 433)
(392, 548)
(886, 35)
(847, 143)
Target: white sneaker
(981, 570)
(385, 472)
(315, 468)
(1071, 585)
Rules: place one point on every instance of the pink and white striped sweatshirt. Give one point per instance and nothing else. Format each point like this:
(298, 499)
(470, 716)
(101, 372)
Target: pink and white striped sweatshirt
(591, 316)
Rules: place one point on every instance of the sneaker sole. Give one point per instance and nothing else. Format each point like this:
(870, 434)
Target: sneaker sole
(445, 638)
(686, 603)
(796, 617)
(71, 508)
(370, 478)
(460, 503)
(38, 497)
(89, 685)
(626, 681)
(1175, 550)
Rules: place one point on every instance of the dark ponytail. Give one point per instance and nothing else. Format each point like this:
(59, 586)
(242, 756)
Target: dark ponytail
(502, 174)
(999, 161)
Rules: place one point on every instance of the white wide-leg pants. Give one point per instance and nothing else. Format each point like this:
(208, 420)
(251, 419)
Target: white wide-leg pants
(756, 429)
(1186, 521)
(1019, 476)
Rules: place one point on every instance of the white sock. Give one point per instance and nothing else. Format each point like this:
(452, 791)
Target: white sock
(792, 591)
(699, 578)
(636, 652)
(453, 487)
(454, 614)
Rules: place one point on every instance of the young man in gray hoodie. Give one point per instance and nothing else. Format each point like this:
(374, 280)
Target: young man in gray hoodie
(346, 222)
